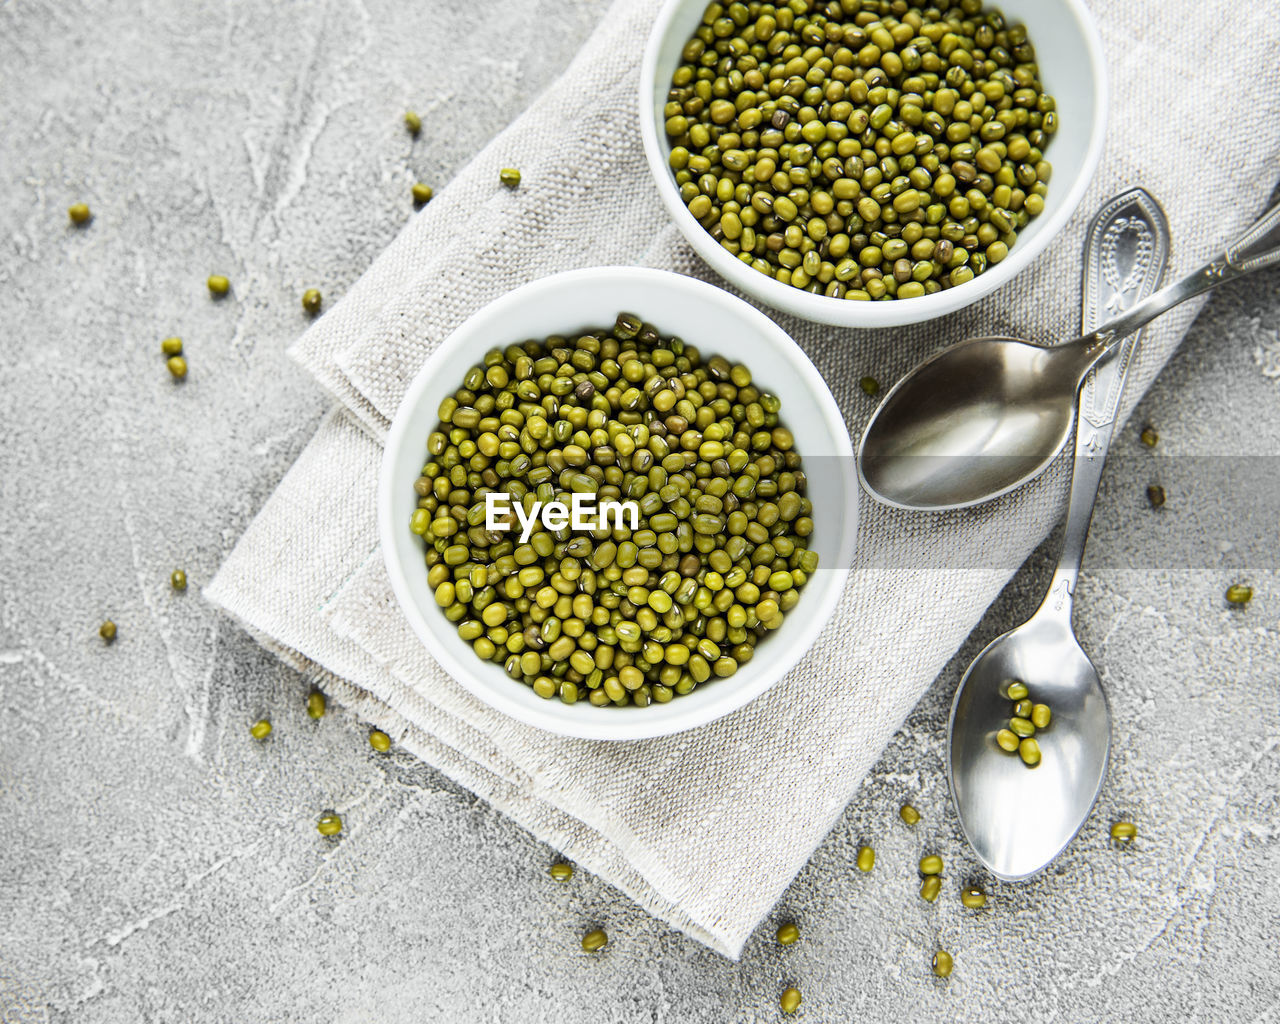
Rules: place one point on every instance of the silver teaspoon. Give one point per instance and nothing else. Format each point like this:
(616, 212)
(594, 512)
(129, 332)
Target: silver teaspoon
(988, 414)
(1018, 819)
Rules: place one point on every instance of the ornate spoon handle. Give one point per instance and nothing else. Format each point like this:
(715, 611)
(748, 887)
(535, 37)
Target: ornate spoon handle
(1256, 248)
(1125, 252)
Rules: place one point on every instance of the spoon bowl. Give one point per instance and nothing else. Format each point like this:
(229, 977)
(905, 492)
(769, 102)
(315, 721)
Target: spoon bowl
(1017, 818)
(976, 421)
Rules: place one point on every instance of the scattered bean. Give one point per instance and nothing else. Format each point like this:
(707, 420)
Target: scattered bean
(316, 704)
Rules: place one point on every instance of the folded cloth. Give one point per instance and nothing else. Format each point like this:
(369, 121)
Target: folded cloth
(707, 828)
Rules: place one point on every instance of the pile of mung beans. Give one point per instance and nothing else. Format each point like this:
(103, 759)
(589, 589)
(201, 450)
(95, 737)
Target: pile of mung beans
(861, 149)
(1019, 736)
(615, 616)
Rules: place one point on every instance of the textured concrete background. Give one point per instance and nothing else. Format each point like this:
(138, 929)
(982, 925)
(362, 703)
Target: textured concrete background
(157, 865)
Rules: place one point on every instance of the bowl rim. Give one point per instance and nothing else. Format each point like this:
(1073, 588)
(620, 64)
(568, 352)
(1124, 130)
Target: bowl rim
(870, 315)
(719, 700)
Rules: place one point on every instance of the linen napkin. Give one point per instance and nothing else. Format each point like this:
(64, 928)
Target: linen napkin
(707, 828)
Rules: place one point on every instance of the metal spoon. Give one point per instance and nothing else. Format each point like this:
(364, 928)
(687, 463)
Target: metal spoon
(988, 414)
(1017, 819)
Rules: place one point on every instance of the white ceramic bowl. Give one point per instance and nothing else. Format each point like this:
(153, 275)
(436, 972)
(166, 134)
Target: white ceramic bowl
(1069, 51)
(718, 323)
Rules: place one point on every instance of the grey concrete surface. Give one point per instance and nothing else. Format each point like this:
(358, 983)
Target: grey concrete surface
(156, 865)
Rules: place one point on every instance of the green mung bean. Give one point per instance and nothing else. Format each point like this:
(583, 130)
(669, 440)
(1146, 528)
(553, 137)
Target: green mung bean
(866, 859)
(1239, 593)
(789, 1001)
(930, 887)
(509, 176)
(312, 300)
(595, 940)
(107, 631)
(788, 934)
(823, 152)
(177, 366)
(379, 740)
(931, 865)
(942, 963)
(973, 897)
(1149, 437)
(909, 814)
(561, 871)
(421, 193)
(330, 824)
(412, 122)
(1123, 831)
(178, 579)
(79, 213)
(1156, 496)
(171, 346)
(316, 704)
(218, 285)
(260, 729)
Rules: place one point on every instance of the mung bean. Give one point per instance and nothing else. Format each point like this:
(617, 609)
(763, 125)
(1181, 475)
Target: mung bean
(1123, 831)
(316, 704)
(1239, 593)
